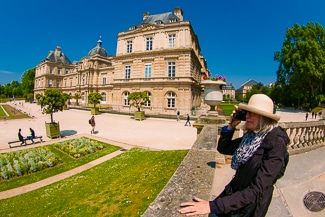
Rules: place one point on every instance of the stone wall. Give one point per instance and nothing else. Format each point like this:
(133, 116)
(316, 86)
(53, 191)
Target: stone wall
(194, 177)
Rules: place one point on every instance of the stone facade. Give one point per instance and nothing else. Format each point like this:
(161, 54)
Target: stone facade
(161, 56)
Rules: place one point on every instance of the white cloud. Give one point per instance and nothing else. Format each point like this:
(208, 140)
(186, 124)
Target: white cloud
(6, 72)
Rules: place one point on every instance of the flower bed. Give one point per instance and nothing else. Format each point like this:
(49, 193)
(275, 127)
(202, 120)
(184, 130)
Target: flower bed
(79, 147)
(27, 161)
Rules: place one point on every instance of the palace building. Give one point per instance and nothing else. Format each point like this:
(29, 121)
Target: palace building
(160, 55)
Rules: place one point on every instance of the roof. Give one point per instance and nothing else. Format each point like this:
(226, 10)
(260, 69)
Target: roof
(249, 83)
(57, 56)
(98, 50)
(159, 19)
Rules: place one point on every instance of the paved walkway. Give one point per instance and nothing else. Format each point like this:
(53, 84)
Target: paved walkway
(305, 172)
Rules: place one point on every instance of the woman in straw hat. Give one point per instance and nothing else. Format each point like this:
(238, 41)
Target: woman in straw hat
(258, 158)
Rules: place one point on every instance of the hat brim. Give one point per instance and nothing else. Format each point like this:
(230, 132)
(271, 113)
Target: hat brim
(257, 111)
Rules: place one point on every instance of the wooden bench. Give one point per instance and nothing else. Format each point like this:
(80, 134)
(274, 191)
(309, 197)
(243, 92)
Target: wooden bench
(25, 141)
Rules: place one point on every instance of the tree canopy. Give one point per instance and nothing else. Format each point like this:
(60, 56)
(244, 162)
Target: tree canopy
(52, 101)
(138, 99)
(301, 60)
(94, 98)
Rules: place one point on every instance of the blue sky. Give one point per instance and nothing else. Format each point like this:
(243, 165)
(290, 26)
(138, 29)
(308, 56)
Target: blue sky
(237, 37)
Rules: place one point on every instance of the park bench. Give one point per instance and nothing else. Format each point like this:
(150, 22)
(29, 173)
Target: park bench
(25, 141)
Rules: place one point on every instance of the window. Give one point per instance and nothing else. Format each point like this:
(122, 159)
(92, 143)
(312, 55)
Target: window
(171, 98)
(59, 71)
(149, 43)
(82, 96)
(104, 80)
(66, 71)
(104, 97)
(171, 39)
(125, 98)
(65, 83)
(171, 69)
(50, 83)
(127, 72)
(148, 103)
(57, 83)
(129, 47)
(51, 70)
(84, 79)
(70, 82)
(147, 70)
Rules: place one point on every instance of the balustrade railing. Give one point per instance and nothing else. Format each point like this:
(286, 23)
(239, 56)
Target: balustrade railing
(305, 136)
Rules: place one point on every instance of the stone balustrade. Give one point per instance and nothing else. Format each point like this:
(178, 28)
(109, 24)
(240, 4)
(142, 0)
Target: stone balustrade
(304, 136)
(195, 175)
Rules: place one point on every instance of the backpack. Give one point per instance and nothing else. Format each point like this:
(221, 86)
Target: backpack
(89, 121)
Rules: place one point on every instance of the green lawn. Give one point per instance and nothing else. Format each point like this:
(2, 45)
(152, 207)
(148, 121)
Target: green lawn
(2, 113)
(122, 186)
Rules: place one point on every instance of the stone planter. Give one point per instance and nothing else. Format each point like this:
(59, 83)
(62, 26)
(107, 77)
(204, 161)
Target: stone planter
(139, 115)
(53, 130)
(213, 93)
(94, 111)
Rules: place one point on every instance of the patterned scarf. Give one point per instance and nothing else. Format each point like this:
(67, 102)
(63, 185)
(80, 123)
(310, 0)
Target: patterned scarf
(250, 143)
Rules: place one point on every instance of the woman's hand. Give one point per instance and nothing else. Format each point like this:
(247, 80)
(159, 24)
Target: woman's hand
(233, 121)
(198, 207)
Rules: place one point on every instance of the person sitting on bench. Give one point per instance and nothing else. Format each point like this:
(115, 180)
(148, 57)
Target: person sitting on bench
(32, 135)
(20, 137)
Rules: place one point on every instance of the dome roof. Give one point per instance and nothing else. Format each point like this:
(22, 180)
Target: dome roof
(98, 50)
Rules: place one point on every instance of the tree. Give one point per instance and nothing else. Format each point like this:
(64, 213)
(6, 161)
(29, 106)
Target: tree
(94, 98)
(52, 101)
(66, 97)
(302, 62)
(38, 96)
(77, 96)
(138, 99)
(27, 81)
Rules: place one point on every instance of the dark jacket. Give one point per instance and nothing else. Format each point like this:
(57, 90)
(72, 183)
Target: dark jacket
(20, 137)
(253, 181)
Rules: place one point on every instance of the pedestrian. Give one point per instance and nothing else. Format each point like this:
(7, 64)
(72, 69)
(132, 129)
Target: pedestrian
(20, 137)
(306, 116)
(258, 159)
(92, 124)
(32, 135)
(187, 120)
(178, 115)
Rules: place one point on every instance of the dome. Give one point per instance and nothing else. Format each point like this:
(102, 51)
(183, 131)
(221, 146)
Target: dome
(98, 50)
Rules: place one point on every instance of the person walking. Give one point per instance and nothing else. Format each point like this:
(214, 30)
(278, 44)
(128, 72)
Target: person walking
(178, 115)
(259, 159)
(188, 120)
(306, 116)
(92, 124)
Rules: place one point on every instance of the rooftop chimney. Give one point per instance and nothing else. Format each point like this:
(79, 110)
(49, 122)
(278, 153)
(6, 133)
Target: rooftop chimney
(179, 13)
(146, 15)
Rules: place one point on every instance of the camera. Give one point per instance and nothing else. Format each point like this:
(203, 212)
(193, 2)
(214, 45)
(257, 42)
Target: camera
(240, 115)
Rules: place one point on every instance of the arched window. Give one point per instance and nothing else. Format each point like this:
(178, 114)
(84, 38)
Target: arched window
(171, 99)
(104, 97)
(148, 103)
(125, 98)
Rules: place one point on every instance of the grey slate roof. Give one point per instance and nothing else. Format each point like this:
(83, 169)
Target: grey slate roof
(250, 83)
(61, 58)
(98, 50)
(159, 18)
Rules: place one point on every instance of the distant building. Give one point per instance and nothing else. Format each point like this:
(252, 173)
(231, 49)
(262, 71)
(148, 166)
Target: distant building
(245, 87)
(160, 55)
(229, 91)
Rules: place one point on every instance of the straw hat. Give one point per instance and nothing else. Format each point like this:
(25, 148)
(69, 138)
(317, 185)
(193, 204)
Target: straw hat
(260, 104)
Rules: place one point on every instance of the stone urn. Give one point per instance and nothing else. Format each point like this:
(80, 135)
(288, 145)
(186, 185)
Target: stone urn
(213, 93)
